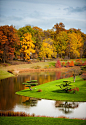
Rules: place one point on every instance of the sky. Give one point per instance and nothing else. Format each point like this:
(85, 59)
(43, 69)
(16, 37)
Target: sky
(43, 13)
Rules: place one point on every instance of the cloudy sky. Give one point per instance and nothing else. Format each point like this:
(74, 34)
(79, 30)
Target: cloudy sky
(43, 13)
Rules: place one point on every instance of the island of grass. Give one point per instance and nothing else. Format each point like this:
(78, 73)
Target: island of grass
(51, 91)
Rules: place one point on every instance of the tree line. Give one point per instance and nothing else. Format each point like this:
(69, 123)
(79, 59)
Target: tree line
(33, 42)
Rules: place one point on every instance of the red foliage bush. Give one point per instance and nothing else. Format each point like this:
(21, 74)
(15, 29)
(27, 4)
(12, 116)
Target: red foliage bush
(78, 62)
(84, 63)
(74, 90)
(68, 64)
(71, 64)
(58, 64)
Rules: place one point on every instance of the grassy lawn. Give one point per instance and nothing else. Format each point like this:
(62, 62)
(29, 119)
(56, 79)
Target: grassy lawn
(51, 91)
(39, 121)
(5, 74)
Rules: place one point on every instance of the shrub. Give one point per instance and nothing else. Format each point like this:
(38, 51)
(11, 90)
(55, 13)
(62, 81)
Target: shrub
(36, 67)
(58, 64)
(71, 64)
(84, 64)
(83, 76)
(74, 90)
(39, 90)
(63, 63)
(46, 67)
(78, 62)
(68, 64)
(83, 67)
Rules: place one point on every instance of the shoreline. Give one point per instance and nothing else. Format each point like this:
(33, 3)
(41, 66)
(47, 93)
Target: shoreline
(40, 70)
(11, 71)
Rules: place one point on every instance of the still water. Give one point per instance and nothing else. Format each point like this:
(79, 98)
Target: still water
(9, 101)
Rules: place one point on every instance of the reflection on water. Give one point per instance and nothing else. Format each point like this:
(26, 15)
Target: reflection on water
(66, 107)
(10, 101)
(31, 102)
(49, 108)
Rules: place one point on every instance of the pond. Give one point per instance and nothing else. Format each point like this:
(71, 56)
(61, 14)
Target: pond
(9, 101)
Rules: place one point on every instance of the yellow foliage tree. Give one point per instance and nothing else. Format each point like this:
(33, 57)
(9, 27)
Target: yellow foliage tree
(75, 44)
(61, 42)
(27, 46)
(47, 49)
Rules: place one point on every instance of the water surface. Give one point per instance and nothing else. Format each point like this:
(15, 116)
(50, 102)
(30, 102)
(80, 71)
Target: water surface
(9, 101)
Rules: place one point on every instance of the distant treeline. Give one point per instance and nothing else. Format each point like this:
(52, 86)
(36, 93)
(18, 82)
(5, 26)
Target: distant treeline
(33, 42)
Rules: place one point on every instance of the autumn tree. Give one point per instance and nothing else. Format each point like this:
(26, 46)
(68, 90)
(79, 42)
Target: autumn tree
(27, 29)
(75, 72)
(27, 46)
(8, 40)
(74, 44)
(47, 49)
(37, 36)
(59, 27)
(61, 43)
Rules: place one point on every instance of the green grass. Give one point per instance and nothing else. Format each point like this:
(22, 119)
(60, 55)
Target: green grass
(39, 121)
(5, 74)
(51, 91)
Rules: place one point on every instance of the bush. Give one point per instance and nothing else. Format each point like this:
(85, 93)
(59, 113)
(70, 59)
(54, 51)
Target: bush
(84, 64)
(83, 76)
(71, 64)
(63, 64)
(83, 67)
(78, 62)
(74, 89)
(46, 67)
(36, 67)
(58, 64)
(39, 90)
(68, 64)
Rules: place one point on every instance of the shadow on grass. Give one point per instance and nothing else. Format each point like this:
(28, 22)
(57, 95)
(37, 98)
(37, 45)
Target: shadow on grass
(26, 90)
(62, 91)
(59, 91)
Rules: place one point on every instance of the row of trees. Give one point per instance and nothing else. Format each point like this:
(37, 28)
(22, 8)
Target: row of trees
(33, 42)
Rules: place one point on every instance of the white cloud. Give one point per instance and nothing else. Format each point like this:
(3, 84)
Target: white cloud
(44, 13)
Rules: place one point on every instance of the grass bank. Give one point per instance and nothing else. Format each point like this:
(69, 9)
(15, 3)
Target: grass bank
(39, 121)
(51, 91)
(4, 74)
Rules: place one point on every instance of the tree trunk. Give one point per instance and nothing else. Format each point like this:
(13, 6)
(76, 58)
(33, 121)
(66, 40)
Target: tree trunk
(74, 77)
(44, 59)
(4, 57)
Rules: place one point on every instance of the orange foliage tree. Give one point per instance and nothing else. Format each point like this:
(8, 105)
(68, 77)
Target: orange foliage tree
(8, 40)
